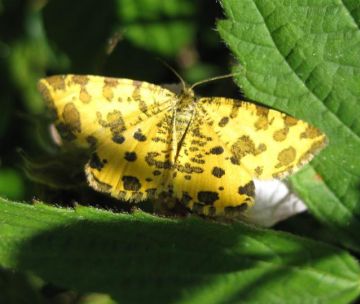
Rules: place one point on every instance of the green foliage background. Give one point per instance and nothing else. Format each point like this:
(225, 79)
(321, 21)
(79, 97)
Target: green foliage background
(302, 57)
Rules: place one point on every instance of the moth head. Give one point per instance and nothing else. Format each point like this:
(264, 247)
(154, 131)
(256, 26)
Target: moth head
(187, 92)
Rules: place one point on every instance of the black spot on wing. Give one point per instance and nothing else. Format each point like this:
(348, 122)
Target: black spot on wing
(207, 197)
(217, 150)
(223, 121)
(187, 168)
(131, 183)
(96, 163)
(118, 139)
(130, 156)
(156, 172)
(139, 136)
(218, 172)
(235, 210)
(197, 160)
(151, 160)
(234, 160)
(248, 189)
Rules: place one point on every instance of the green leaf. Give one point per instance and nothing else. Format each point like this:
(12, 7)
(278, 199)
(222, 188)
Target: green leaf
(303, 57)
(163, 27)
(139, 258)
(11, 183)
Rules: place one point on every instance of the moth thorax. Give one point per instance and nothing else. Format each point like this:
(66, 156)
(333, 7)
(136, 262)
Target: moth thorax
(186, 97)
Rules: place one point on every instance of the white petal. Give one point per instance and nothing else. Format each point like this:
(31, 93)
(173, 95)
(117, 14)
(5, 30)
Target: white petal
(274, 202)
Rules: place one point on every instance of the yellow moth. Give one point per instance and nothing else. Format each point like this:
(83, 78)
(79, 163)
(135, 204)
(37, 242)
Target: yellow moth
(148, 142)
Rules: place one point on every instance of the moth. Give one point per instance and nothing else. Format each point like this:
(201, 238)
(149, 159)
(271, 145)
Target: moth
(148, 141)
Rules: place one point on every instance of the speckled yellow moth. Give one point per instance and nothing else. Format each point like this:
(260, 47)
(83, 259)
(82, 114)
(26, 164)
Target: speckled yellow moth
(148, 141)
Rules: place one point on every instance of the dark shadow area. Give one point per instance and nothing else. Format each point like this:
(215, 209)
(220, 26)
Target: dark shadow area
(134, 262)
(159, 260)
(10, 284)
(80, 30)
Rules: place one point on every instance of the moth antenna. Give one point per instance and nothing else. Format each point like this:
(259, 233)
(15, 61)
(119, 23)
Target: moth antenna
(212, 79)
(174, 71)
